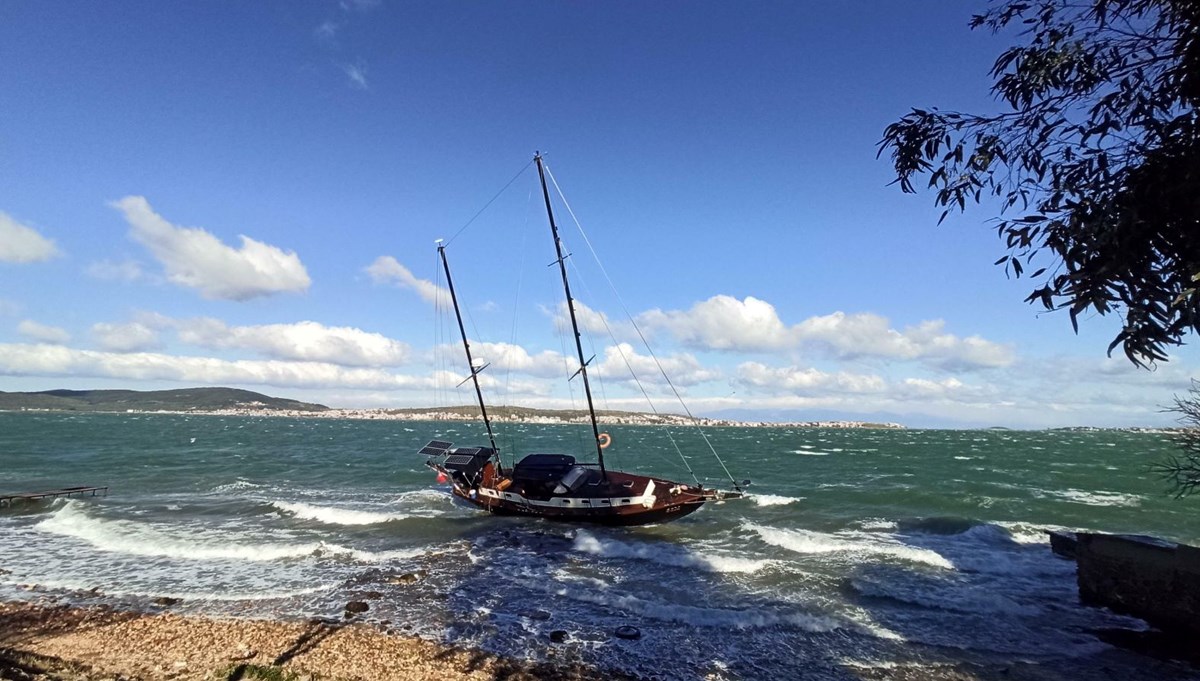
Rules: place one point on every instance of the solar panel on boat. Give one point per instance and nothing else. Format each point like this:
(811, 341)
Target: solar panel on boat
(435, 448)
(468, 451)
(458, 460)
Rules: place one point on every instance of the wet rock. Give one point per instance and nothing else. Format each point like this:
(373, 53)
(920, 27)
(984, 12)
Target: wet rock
(408, 577)
(372, 595)
(5, 572)
(628, 633)
(540, 615)
(166, 601)
(356, 607)
(558, 636)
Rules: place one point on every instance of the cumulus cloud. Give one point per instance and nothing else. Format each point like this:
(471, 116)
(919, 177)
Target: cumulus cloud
(791, 379)
(194, 258)
(387, 269)
(108, 270)
(514, 358)
(870, 335)
(683, 369)
(305, 341)
(724, 323)
(752, 325)
(42, 332)
(130, 337)
(52, 360)
(21, 244)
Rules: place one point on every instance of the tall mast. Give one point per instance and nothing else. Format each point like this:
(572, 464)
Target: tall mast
(467, 347)
(562, 266)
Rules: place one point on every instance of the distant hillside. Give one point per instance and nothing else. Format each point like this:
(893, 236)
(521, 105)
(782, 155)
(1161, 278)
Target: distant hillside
(187, 399)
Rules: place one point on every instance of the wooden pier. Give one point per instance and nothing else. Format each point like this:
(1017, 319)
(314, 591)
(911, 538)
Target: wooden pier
(7, 500)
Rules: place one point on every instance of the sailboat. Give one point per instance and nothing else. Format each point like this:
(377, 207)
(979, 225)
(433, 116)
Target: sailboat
(558, 486)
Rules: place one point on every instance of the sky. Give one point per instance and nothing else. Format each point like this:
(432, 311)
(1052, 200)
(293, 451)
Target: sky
(248, 195)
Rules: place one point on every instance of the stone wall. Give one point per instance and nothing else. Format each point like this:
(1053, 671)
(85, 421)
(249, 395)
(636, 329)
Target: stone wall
(1149, 578)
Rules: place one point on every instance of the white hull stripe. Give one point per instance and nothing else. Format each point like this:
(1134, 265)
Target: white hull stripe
(646, 499)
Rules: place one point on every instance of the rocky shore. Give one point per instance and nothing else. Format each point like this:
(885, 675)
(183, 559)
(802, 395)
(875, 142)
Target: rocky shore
(47, 642)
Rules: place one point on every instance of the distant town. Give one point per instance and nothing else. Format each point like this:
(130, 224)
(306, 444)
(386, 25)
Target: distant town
(233, 402)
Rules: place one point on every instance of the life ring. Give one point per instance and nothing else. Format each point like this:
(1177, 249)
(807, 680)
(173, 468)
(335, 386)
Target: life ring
(604, 439)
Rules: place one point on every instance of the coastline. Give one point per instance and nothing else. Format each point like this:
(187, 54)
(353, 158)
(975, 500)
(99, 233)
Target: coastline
(51, 641)
(54, 642)
(460, 414)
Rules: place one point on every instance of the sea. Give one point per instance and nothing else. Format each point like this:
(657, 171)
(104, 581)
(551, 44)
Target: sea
(854, 547)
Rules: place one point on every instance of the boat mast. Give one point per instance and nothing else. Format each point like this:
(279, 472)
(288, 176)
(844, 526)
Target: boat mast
(562, 266)
(467, 347)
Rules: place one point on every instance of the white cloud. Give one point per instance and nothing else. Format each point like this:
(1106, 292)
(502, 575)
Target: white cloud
(724, 323)
(9, 307)
(20, 243)
(509, 357)
(870, 335)
(683, 369)
(387, 269)
(791, 379)
(108, 270)
(52, 360)
(305, 341)
(326, 33)
(195, 258)
(131, 337)
(42, 332)
(752, 325)
(357, 74)
(591, 321)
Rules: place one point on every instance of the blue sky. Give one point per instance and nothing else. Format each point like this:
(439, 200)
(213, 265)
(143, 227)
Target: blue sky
(247, 194)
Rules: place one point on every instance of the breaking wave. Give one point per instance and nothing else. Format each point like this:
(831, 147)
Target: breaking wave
(665, 554)
(809, 542)
(331, 515)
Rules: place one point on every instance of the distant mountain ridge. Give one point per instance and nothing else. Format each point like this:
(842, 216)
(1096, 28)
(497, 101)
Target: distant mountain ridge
(186, 399)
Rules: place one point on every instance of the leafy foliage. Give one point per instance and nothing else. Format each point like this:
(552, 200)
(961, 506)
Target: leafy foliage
(1095, 162)
(1183, 470)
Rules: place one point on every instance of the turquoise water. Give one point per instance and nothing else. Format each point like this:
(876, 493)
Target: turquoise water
(856, 546)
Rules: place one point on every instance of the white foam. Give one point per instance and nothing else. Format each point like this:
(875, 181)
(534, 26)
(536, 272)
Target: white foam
(809, 452)
(189, 596)
(665, 554)
(237, 485)
(1096, 498)
(877, 524)
(138, 539)
(757, 618)
(335, 516)
(945, 596)
(773, 499)
(810, 542)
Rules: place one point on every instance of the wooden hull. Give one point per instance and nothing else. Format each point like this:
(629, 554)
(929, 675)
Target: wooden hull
(624, 499)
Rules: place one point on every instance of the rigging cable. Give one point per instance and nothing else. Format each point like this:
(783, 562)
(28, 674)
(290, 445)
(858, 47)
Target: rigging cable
(642, 336)
(490, 201)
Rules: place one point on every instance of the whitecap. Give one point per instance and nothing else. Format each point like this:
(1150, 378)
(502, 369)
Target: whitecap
(139, 539)
(331, 515)
(773, 499)
(665, 554)
(810, 542)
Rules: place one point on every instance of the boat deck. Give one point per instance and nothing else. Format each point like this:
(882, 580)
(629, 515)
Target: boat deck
(10, 499)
